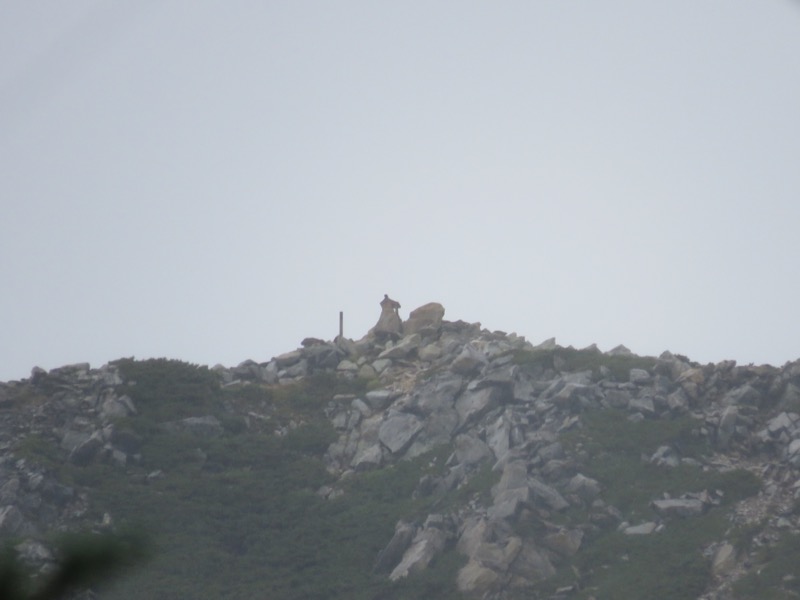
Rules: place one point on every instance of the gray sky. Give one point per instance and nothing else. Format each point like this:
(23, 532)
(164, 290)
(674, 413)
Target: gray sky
(215, 181)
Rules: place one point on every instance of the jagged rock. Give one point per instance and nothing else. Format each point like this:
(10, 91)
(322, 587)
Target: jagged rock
(381, 364)
(83, 453)
(427, 319)
(426, 545)
(398, 431)
(437, 394)
(784, 422)
(469, 361)
(323, 356)
(472, 404)
(430, 352)
(470, 450)
(727, 426)
(620, 350)
(744, 395)
(295, 370)
(288, 358)
(390, 556)
(547, 494)
(678, 401)
(116, 408)
(498, 436)
(639, 376)
(403, 348)
(347, 366)
(548, 344)
(380, 399)
(437, 429)
(509, 502)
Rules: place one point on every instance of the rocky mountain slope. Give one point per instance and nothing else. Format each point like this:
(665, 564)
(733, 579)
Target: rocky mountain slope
(536, 471)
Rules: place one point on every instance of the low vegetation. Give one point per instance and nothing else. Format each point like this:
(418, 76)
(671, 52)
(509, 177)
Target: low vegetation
(237, 516)
(669, 564)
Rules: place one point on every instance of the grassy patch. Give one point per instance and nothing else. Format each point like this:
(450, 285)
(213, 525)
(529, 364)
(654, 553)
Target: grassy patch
(666, 565)
(236, 516)
(776, 576)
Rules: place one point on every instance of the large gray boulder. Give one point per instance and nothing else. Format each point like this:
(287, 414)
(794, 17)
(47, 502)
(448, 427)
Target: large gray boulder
(427, 319)
(473, 404)
(469, 361)
(398, 431)
(428, 543)
(390, 556)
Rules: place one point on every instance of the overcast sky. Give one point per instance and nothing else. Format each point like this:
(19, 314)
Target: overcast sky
(215, 181)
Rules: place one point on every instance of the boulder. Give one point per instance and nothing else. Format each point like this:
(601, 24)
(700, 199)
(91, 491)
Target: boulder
(430, 352)
(470, 450)
(679, 507)
(639, 376)
(642, 529)
(724, 560)
(84, 453)
(427, 319)
(403, 348)
(380, 399)
(472, 404)
(744, 395)
(547, 494)
(114, 408)
(468, 361)
(390, 556)
(727, 426)
(508, 503)
(398, 431)
(426, 545)
(475, 578)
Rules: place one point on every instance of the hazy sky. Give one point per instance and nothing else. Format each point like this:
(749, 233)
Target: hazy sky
(215, 181)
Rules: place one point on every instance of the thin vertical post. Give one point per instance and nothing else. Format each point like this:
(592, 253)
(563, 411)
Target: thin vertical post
(341, 325)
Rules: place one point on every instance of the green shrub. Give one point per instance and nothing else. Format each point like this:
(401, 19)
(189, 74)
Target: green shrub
(777, 576)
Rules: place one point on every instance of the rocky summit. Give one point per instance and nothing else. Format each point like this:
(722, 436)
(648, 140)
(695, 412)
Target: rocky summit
(431, 458)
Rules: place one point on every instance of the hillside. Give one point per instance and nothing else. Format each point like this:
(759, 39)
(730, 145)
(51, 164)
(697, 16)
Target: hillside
(429, 459)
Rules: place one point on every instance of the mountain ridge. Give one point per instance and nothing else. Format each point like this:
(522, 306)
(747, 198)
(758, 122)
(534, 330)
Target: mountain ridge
(545, 471)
